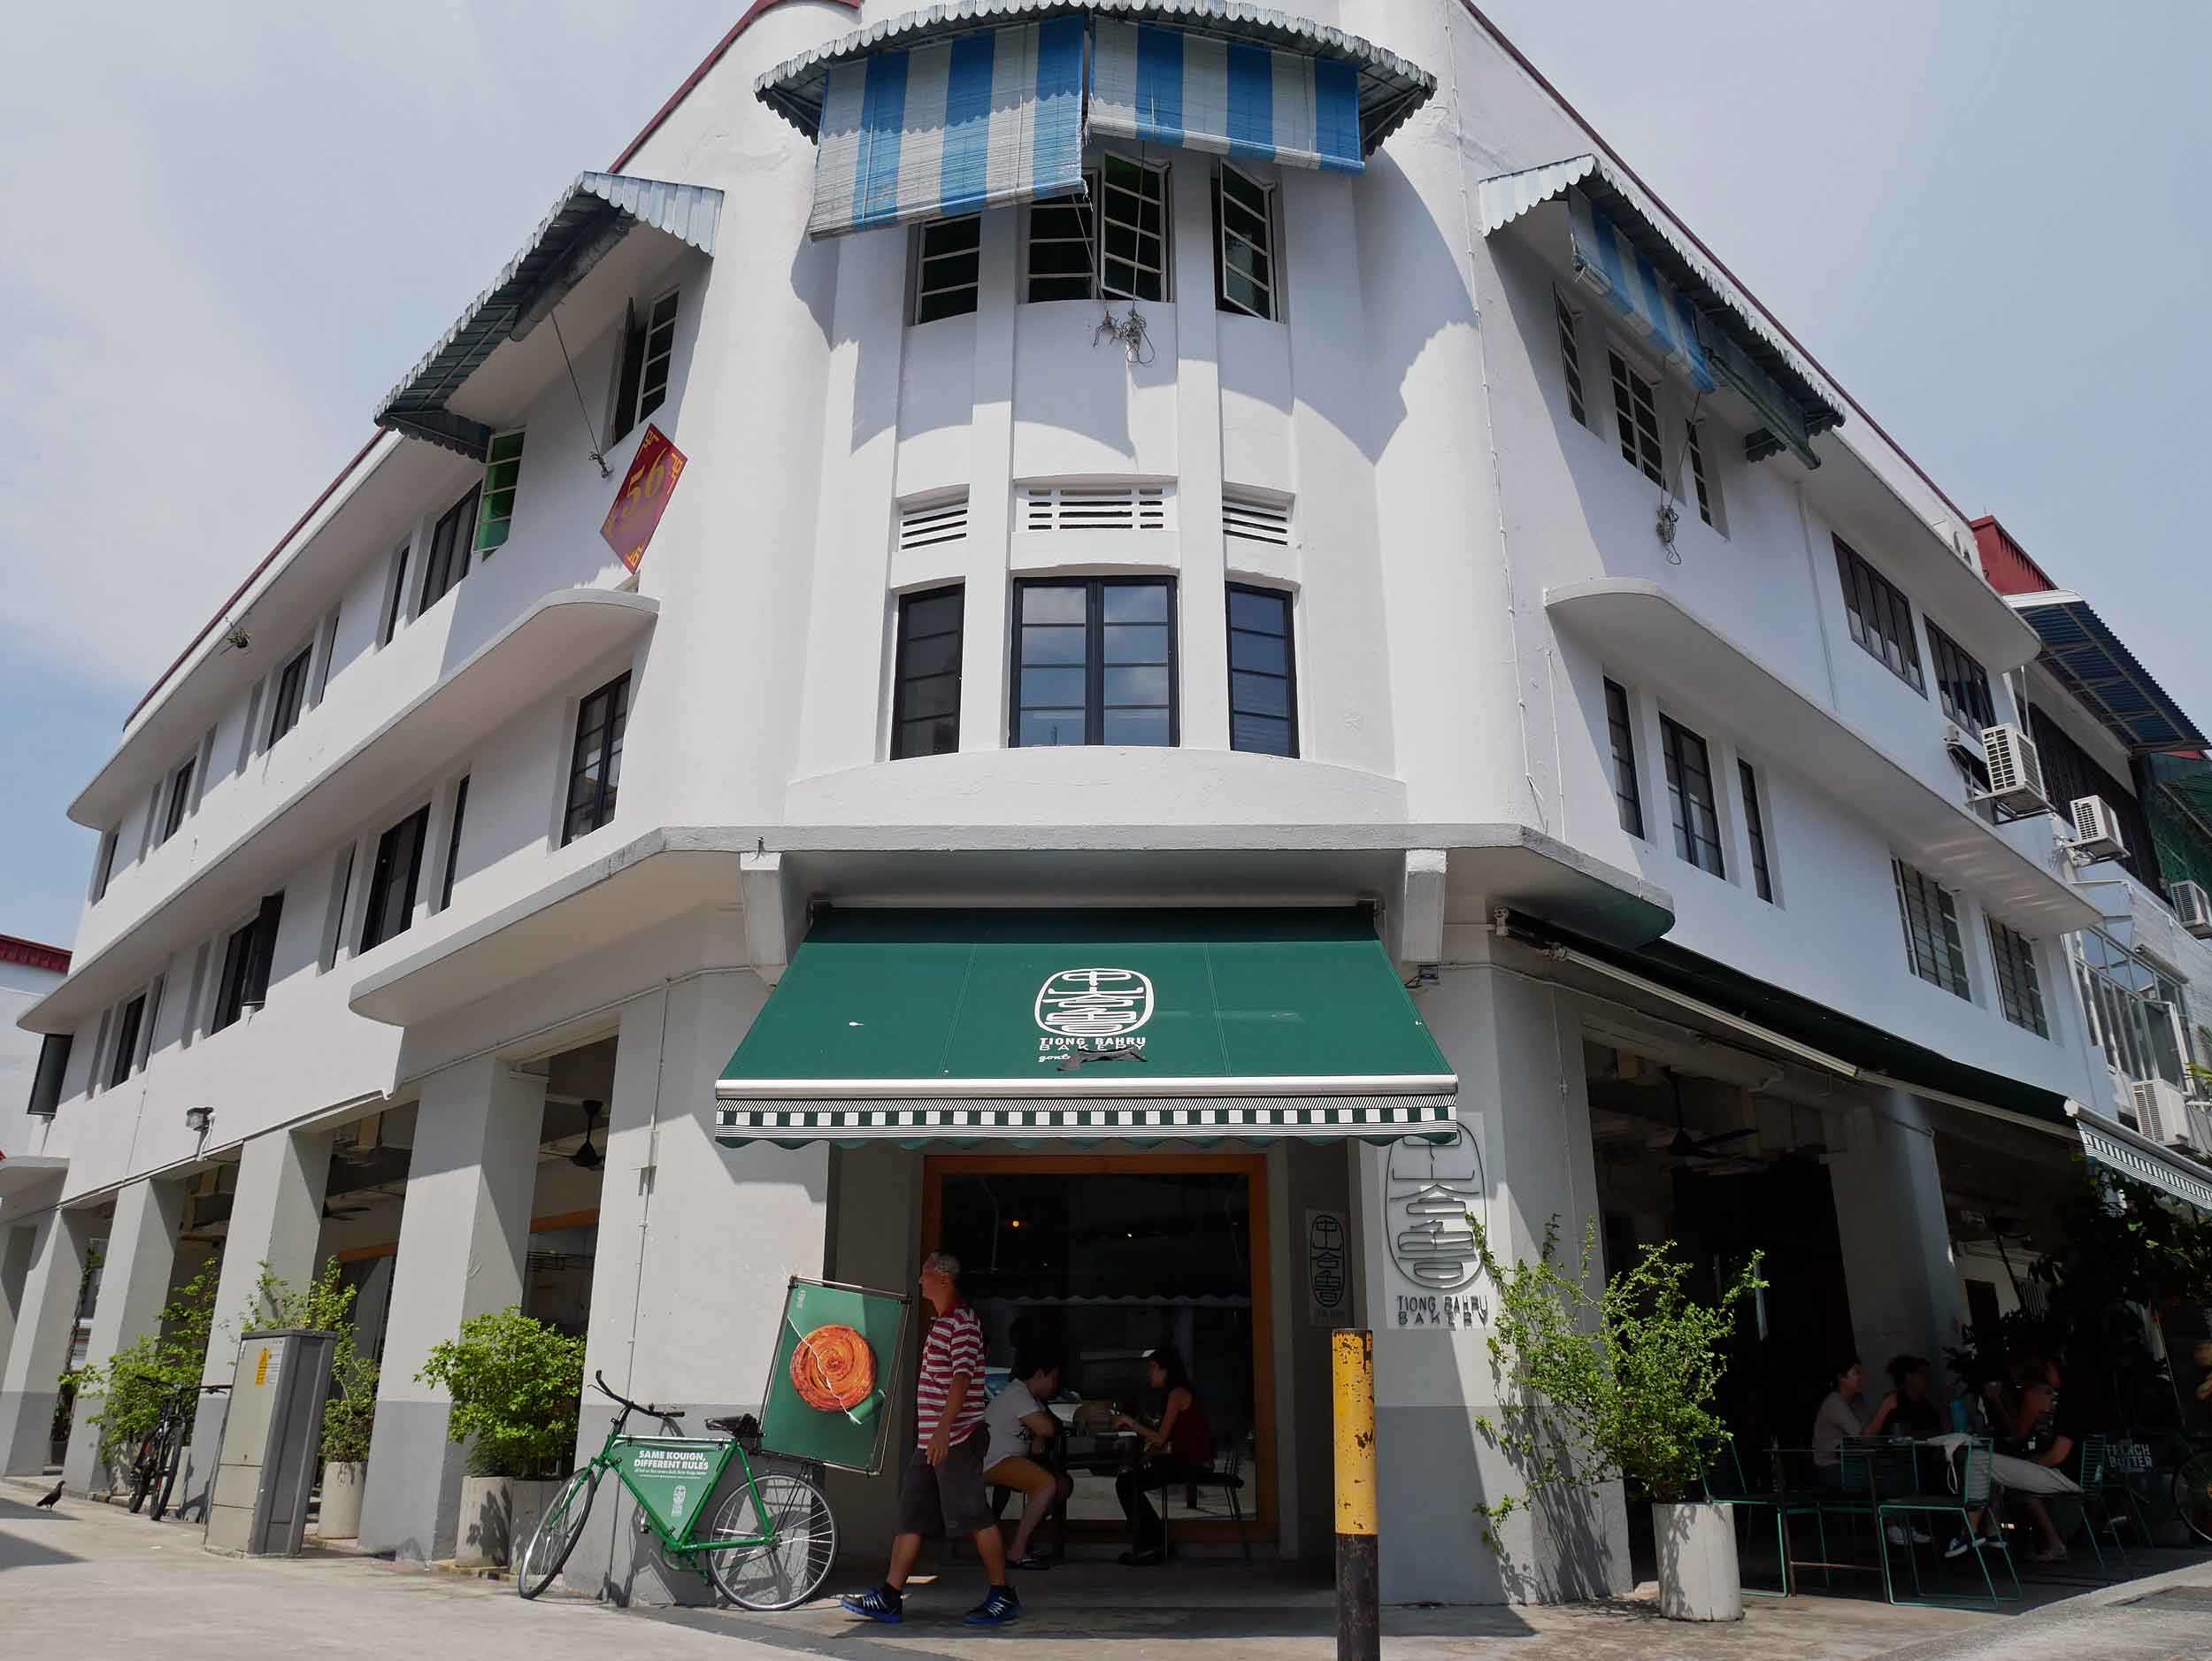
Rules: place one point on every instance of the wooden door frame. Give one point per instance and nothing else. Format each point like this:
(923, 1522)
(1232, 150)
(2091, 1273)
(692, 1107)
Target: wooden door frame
(1260, 1520)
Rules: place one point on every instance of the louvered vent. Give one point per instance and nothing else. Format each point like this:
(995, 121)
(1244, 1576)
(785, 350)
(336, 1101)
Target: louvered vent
(1255, 519)
(927, 524)
(1095, 507)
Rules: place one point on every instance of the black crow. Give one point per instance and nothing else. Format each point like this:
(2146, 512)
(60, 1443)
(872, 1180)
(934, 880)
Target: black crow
(52, 1499)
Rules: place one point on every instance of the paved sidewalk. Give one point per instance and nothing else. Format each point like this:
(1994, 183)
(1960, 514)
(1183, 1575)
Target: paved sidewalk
(87, 1583)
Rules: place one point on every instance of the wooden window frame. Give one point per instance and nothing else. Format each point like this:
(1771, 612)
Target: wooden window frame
(647, 347)
(1095, 666)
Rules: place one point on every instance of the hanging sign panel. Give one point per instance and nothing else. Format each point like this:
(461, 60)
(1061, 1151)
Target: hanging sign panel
(643, 499)
(836, 1357)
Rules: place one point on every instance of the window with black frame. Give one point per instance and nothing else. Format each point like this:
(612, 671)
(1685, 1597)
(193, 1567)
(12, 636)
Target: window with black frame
(395, 880)
(947, 267)
(124, 1061)
(925, 689)
(1880, 617)
(595, 772)
(1095, 662)
(1262, 672)
(1110, 242)
(247, 959)
(448, 559)
(291, 695)
(1690, 794)
(1628, 791)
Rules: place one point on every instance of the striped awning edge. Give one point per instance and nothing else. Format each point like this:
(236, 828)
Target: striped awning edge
(2111, 1145)
(1134, 1120)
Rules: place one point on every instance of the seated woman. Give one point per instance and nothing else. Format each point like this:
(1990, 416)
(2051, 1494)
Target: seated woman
(1907, 1410)
(1021, 1426)
(1839, 1419)
(1178, 1448)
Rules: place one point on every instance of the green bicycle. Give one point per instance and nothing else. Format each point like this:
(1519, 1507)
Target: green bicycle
(770, 1546)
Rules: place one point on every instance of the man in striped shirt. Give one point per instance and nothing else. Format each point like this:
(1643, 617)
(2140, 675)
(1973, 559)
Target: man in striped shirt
(940, 1492)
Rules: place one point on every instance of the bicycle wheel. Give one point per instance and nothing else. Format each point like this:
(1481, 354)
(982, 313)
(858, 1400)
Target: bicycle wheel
(558, 1531)
(141, 1473)
(2192, 1493)
(789, 1569)
(165, 1483)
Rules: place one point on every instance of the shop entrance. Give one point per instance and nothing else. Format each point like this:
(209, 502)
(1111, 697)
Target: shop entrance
(1105, 1258)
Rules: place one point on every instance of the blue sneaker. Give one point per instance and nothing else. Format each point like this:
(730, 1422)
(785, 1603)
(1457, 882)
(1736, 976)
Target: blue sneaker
(884, 1605)
(999, 1608)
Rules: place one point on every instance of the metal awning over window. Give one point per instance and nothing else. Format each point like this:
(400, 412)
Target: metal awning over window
(987, 102)
(1665, 290)
(1042, 1027)
(592, 217)
(2113, 1145)
(2095, 664)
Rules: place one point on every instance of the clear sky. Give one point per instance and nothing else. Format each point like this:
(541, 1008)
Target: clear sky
(231, 226)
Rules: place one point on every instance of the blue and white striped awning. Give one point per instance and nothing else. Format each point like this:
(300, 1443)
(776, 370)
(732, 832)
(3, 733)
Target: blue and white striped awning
(1608, 263)
(1166, 86)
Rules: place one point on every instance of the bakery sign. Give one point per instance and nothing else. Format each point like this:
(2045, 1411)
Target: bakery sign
(1430, 1192)
(1091, 1012)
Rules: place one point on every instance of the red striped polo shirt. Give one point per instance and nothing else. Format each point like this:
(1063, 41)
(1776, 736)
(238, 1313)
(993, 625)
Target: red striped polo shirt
(953, 1348)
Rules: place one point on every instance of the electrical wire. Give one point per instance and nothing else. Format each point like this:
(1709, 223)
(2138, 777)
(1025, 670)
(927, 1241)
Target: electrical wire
(589, 431)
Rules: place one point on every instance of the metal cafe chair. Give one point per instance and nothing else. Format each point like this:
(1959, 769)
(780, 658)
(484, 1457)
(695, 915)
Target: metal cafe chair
(2095, 1478)
(1226, 1474)
(1725, 1485)
(1970, 1493)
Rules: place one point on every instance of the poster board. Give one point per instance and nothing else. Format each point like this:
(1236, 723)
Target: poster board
(836, 1362)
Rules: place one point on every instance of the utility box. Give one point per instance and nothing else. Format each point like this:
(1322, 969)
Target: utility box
(272, 1444)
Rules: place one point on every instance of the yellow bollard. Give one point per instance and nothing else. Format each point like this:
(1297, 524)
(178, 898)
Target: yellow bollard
(1358, 1599)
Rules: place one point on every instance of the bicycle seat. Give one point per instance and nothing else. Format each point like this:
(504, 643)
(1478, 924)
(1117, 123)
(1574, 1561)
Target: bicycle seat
(744, 1426)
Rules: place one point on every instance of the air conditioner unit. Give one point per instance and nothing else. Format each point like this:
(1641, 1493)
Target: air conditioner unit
(2096, 829)
(2162, 1109)
(2015, 774)
(2193, 906)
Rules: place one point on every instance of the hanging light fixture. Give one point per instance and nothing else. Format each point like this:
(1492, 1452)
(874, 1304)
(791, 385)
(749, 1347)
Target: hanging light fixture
(587, 1158)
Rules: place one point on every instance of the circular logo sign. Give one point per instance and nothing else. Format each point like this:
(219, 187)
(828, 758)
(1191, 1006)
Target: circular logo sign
(1094, 1002)
(1428, 1192)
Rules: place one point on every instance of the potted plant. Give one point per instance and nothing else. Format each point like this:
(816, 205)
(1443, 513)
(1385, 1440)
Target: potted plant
(517, 1384)
(348, 1420)
(1619, 1383)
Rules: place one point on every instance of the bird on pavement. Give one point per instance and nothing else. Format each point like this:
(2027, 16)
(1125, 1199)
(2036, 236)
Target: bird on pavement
(52, 1499)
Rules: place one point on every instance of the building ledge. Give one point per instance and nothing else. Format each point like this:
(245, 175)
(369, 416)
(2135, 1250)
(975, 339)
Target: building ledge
(485, 691)
(1647, 633)
(21, 1173)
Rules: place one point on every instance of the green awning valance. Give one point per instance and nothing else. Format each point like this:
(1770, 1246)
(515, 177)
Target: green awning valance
(1146, 1026)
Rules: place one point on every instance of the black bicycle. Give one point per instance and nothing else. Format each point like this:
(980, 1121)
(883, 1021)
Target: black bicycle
(161, 1452)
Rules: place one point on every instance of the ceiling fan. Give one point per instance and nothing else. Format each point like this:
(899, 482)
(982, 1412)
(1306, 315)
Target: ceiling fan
(587, 1158)
(1682, 1145)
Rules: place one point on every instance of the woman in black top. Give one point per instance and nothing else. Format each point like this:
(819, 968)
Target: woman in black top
(1906, 1409)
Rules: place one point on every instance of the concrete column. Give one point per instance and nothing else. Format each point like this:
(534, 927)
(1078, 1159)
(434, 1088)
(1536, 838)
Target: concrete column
(463, 1234)
(1523, 1159)
(276, 1219)
(1202, 602)
(142, 1258)
(45, 1322)
(1906, 1296)
(19, 1241)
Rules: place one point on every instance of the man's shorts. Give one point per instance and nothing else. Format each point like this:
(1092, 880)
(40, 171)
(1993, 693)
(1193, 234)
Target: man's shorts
(947, 1500)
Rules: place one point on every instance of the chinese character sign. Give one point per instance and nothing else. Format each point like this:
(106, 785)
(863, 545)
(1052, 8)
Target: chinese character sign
(1094, 1002)
(1328, 1284)
(1428, 1191)
(643, 499)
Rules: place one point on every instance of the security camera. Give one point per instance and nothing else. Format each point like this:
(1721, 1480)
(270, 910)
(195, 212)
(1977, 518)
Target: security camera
(198, 1120)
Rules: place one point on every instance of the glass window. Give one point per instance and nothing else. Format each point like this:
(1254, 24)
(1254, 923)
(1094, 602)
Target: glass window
(594, 771)
(947, 267)
(1636, 408)
(1961, 684)
(1881, 617)
(180, 802)
(1628, 791)
(394, 880)
(291, 693)
(1933, 946)
(1126, 259)
(125, 1060)
(1754, 821)
(1244, 222)
(1262, 682)
(453, 844)
(1570, 357)
(925, 694)
(503, 475)
(246, 963)
(104, 864)
(2019, 991)
(1690, 794)
(1705, 486)
(1095, 662)
(649, 347)
(399, 593)
(447, 561)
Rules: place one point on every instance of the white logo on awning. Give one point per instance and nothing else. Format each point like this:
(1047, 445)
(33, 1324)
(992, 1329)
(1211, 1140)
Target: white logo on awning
(1094, 1002)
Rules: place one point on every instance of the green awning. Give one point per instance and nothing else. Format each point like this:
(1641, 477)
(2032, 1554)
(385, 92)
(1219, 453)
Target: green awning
(1040, 1026)
(1853, 1047)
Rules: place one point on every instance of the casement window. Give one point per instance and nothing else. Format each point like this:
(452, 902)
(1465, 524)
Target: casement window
(1961, 684)
(395, 880)
(925, 687)
(1704, 483)
(1754, 822)
(1110, 242)
(1933, 949)
(247, 958)
(398, 611)
(104, 862)
(1244, 252)
(1262, 672)
(595, 768)
(1636, 412)
(53, 1067)
(1570, 357)
(1690, 795)
(1628, 791)
(649, 347)
(334, 923)
(1881, 617)
(503, 476)
(947, 267)
(291, 695)
(447, 561)
(1095, 662)
(123, 1061)
(2019, 990)
(453, 843)
(178, 802)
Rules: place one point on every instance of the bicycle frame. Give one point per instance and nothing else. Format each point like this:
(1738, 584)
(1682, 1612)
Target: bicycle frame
(671, 1479)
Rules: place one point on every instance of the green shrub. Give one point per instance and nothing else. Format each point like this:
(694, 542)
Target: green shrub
(349, 1411)
(517, 1384)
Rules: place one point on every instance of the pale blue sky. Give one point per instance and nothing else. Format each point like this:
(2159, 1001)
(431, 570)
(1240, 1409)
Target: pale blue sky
(233, 226)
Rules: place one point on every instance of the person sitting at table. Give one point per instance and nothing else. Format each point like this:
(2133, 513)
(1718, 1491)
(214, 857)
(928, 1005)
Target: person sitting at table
(1178, 1448)
(1906, 1409)
(2032, 1449)
(1839, 1418)
(1022, 1427)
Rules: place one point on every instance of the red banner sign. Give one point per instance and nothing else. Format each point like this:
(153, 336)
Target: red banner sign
(643, 497)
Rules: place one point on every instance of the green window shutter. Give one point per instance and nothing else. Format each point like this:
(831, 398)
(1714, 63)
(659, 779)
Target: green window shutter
(503, 472)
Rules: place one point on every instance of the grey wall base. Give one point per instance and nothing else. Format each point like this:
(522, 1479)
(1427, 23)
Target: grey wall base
(410, 1508)
(26, 1424)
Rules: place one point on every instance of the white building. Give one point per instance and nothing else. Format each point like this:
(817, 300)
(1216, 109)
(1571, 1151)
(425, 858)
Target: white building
(1418, 572)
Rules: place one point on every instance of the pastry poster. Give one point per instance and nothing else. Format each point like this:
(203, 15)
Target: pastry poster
(836, 1356)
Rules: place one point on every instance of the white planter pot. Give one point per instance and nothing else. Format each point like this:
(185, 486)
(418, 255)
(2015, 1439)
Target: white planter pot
(340, 1518)
(498, 1516)
(1698, 1576)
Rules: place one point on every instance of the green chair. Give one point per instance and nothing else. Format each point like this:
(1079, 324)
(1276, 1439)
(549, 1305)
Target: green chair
(1722, 1479)
(2095, 1501)
(1972, 1496)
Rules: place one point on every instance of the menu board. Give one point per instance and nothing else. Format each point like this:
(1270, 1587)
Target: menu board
(835, 1363)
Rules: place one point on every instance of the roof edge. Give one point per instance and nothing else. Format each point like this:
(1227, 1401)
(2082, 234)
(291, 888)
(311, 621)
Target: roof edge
(33, 954)
(692, 80)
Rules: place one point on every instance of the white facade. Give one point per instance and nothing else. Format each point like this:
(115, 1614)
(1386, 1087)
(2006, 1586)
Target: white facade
(1469, 566)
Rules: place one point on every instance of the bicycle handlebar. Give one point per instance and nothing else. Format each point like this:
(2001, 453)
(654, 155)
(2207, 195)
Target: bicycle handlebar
(646, 1408)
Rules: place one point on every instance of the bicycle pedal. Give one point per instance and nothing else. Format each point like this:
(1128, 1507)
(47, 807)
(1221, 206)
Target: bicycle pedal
(640, 1525)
